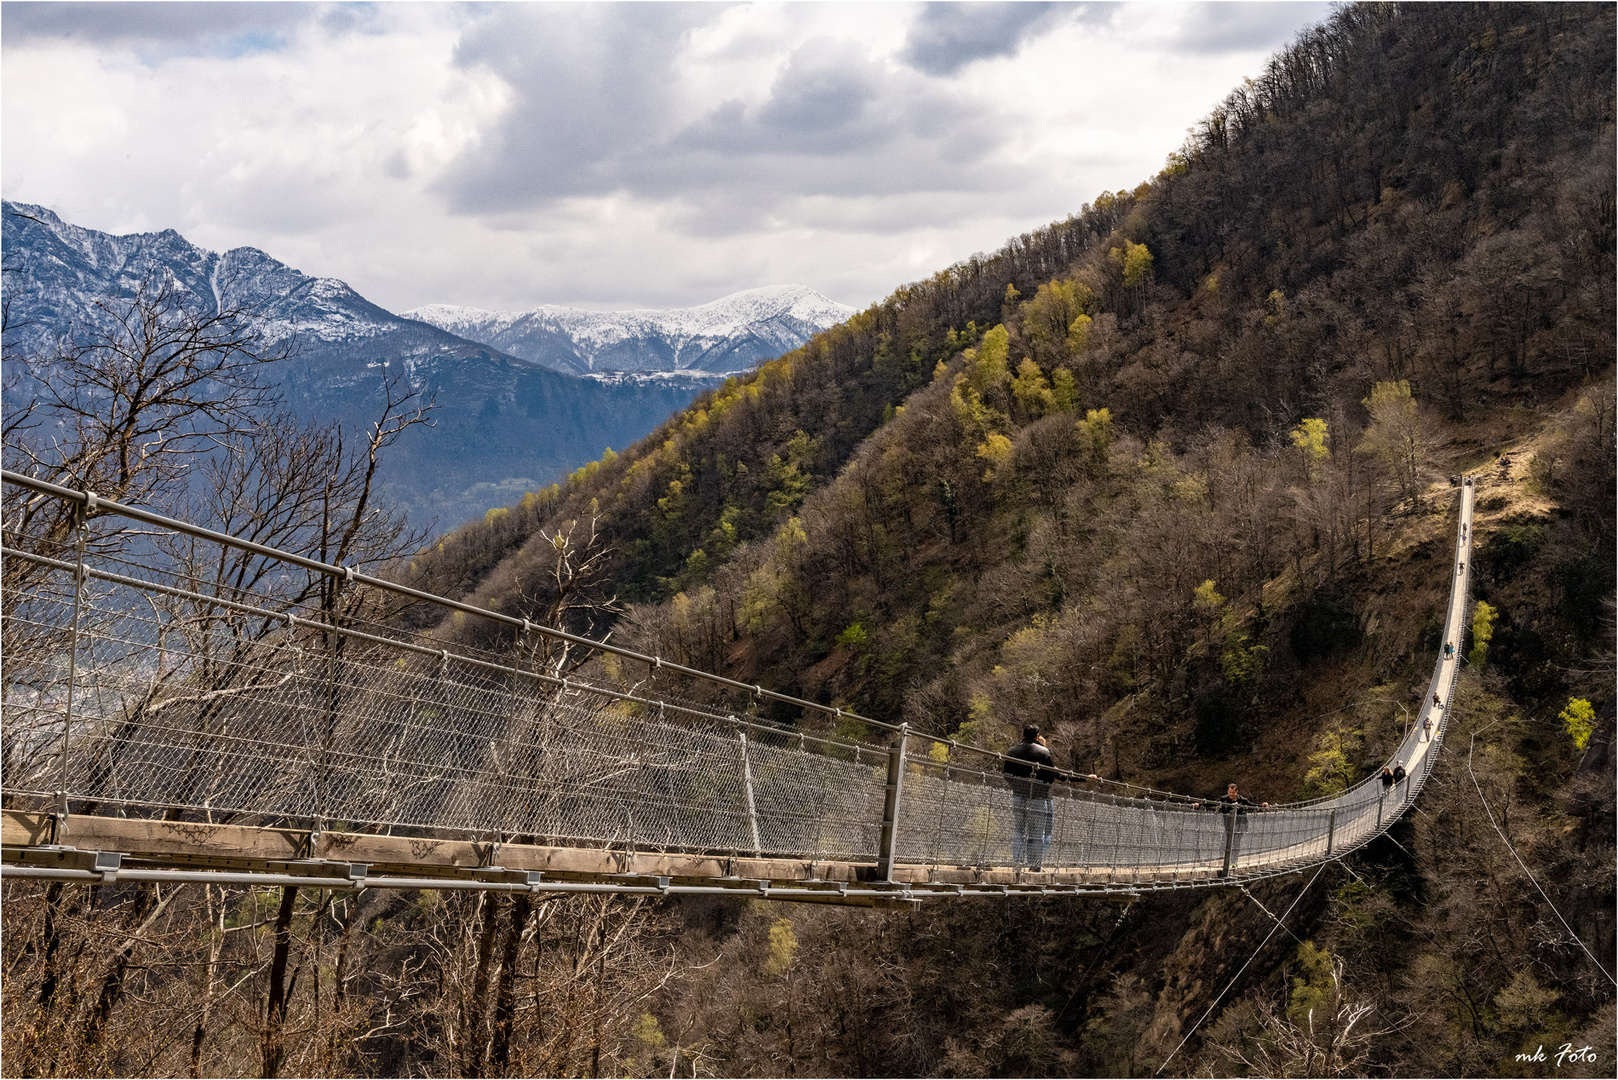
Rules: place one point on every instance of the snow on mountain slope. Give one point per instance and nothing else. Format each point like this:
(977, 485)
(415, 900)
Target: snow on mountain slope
(502, 425)
(66, 269)
(733, 333)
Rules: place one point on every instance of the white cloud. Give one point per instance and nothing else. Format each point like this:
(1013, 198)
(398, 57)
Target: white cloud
(607, 155)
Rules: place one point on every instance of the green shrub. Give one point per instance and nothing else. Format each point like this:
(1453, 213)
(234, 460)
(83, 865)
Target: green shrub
(1579, 720)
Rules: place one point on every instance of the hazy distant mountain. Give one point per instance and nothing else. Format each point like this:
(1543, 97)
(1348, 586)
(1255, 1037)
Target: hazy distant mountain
(730, 334)
(503, 425)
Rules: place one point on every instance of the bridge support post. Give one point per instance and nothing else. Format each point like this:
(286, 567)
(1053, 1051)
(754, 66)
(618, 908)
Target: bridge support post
(82, 529)
(747, 783)
(888, 845)
(1331, 832)
(1230, 842)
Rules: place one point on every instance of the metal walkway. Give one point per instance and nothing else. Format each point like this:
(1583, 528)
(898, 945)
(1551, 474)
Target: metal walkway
(160, 726)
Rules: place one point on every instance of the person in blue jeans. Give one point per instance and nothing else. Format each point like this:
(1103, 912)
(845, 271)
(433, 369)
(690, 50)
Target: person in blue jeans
(1030, 771)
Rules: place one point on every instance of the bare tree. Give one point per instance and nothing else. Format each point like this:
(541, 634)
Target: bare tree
(159, 402)
(1333, 1037)
(125, 405)
(568, 594)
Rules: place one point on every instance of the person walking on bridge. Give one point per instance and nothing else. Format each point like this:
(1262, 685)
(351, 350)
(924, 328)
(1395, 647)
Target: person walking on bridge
(1030, 770)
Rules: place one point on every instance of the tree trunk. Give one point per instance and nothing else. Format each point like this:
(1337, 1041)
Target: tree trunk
(505, 998)
(473, 1039)
(50, 979)
(272, 1048)
(216, 942)
(112, 987)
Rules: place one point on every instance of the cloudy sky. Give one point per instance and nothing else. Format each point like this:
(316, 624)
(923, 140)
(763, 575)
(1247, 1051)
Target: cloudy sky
(607, 155)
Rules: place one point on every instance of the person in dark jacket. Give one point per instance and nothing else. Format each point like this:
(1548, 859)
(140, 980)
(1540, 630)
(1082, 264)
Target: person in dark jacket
(1387, 779)
(1234, 802)
(1398, 773)
(1029, 773)
(1231, 800)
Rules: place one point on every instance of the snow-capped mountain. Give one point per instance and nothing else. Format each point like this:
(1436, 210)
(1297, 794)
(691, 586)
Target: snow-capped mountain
(731, 334)
(502, 424)
(64, 270)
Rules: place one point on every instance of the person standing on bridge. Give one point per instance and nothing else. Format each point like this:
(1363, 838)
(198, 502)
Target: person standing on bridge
(1030, 770)
(1234, 802)
(1231, 801)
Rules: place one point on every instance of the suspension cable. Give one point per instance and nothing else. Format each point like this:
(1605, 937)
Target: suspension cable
(349, 576)
(1504, 840)
(1267, 911)
(1250, 959)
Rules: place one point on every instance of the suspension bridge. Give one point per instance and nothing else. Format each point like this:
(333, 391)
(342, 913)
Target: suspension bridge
(162, 724)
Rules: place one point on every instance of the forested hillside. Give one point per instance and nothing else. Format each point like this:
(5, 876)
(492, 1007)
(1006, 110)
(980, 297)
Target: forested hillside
(1170, 479)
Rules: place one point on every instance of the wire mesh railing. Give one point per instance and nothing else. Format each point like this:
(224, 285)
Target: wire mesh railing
(148, 690)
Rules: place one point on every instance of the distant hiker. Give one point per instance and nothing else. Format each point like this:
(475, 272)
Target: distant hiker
(1460, 568)
(1427, 729)
(1437, 704)
(1387, 778)
(1030, 771)
(1399, 772)
(1449, 649)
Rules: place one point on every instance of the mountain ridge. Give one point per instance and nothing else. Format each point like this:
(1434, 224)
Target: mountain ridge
(290, 302)
(724, 336)
(503, 425)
